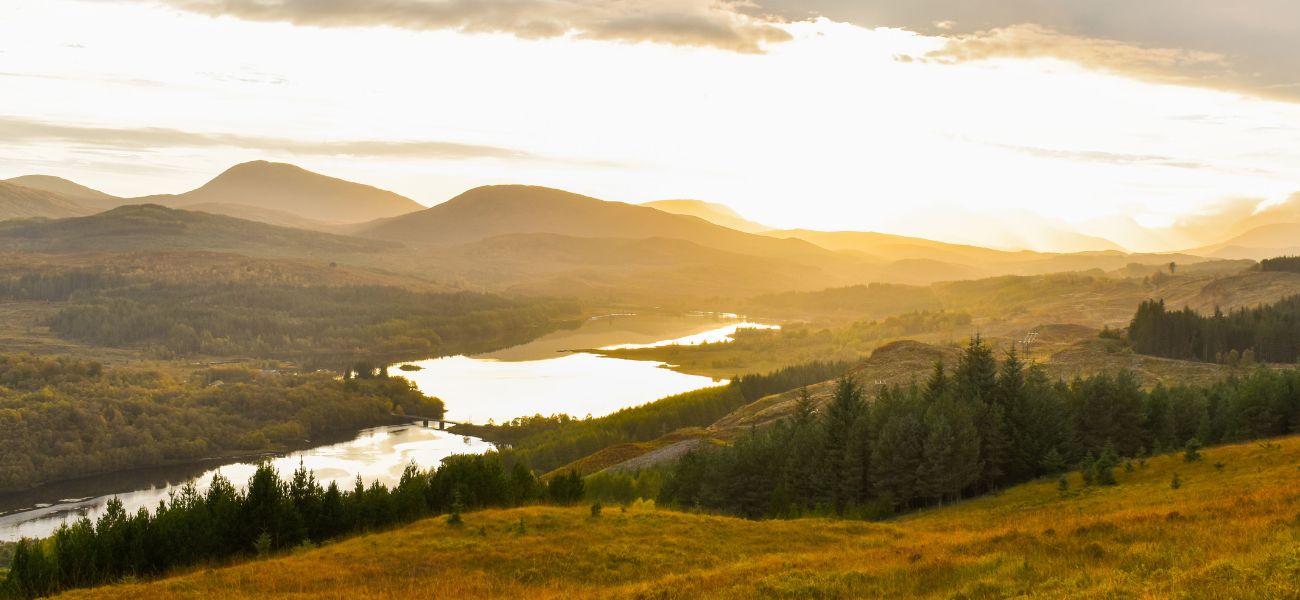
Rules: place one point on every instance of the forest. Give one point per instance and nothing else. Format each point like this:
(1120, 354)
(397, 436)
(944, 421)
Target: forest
(62, 418)
(1266, 333)
(983, 426)
(270, 514)
(550, 442)
(312, 324)
(1285, 264)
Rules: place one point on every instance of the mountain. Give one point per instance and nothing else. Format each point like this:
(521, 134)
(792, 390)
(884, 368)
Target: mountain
(648, 270)
(1265, 241)
(718, 214)
(885, 246)
(496, 210)
(1015, 229)
(20, 202)
(249, 189)
(150, 227)
(270, 216)
(68, 189)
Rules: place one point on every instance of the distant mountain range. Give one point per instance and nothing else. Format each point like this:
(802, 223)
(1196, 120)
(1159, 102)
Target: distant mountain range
(545, 240)
(154, 228)
(712, 212)
(281, 191)
(19, 202)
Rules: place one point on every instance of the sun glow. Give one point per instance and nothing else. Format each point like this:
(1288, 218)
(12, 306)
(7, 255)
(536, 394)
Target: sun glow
(841, 127)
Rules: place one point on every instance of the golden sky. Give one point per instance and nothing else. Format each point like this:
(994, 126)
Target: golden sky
(914, 117)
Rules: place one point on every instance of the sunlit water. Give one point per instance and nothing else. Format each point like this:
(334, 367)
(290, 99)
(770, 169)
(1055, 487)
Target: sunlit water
(378, 454)
(543, 376)
(546, 377)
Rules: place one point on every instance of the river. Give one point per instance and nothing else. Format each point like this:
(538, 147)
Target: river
(547, 375)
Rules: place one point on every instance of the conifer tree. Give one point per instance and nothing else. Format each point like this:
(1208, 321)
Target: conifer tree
(841, 416)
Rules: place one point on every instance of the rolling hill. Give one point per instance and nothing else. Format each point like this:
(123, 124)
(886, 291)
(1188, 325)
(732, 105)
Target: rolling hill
(1228, 531)
(718, 214)
(149, 227)
(20, 202)
(68, 189)
(251, 189)
(1264, 241)
(491, 211)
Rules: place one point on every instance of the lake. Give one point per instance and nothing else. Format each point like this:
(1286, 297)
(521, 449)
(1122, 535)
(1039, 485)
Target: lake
(550, 374)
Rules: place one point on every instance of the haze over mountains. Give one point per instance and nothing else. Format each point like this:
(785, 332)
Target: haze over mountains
(288, 189)
(720, 214)
(543, 240)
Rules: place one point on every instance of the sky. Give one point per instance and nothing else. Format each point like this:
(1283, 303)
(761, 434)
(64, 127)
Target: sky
(922, 117)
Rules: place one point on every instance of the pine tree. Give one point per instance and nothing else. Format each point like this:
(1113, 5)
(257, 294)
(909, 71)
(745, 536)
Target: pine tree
(1192, 450)
(897, 458)
(950, 451)
(803, 408)
(1053, 462)
(841, 415)
(1104, 468)
(976, 373)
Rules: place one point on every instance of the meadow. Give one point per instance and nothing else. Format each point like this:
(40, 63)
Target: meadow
(1231, 529)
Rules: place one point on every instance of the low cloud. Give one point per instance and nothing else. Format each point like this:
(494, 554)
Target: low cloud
(734, 25)
(14, 130)
(1168, 65)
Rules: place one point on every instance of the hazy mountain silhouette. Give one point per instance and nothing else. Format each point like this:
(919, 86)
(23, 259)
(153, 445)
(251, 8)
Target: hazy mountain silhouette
(150, 227)
(20, 202)
(68, 189)
(1265, 241)
(718, 214)
(490, 211)
(250, 189)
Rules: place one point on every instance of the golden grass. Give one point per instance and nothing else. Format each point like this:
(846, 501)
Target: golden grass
(1224, 534)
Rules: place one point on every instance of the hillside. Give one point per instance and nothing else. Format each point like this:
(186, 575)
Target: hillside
(1265, 241)
(491, 211)
(18, 202)
(254, 187)
(947, 261)
(718, 214)
(650, 269)
(148, 227)
(65, 188)
(1229, 531)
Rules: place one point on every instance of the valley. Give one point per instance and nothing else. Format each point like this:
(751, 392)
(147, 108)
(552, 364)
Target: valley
(571, 338)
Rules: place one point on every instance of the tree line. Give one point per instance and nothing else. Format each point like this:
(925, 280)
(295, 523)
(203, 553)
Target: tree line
(267, 515)
(1285, 264)
(550, 442)
(62, 417)
(1266, 333)
(984, 425)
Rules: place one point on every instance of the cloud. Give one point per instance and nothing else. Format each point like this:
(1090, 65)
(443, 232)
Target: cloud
(734, 25)
(1103, 157)
(1247, 47)
(14, 130)
(1168, 65)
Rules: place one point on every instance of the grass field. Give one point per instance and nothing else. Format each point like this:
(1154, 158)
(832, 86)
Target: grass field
(1232, 530)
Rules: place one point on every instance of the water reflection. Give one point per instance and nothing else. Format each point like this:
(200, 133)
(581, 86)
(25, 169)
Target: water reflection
(377, 454)
(541, 376)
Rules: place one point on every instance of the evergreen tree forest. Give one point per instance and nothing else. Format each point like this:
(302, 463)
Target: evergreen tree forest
(1284, 264)
(317, 324)
(268, 515)
(983, 425)
(1266, 333)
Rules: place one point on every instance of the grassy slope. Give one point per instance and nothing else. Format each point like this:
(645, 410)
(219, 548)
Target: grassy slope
(1229, 534)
